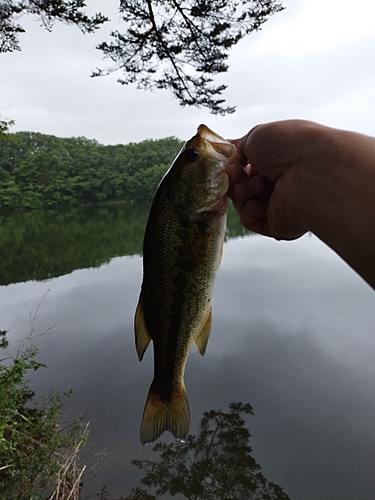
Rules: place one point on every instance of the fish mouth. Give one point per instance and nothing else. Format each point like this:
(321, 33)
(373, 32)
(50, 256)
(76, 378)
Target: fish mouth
(217, 143)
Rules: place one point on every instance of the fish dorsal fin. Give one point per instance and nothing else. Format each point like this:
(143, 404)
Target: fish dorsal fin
(201, 340)
(142, 337)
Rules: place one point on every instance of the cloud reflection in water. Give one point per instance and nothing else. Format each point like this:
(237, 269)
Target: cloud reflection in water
(293, 335)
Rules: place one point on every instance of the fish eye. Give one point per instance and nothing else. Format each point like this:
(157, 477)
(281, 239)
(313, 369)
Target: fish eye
(192, 154)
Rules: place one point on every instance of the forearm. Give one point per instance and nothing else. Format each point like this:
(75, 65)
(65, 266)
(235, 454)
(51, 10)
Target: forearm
(312, 178)
(339, 201)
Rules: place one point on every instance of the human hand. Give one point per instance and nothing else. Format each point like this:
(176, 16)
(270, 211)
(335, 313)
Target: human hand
(298, 176)
(269, 192)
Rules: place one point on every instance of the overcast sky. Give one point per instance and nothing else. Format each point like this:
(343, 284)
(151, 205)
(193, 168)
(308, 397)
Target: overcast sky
(314, 60)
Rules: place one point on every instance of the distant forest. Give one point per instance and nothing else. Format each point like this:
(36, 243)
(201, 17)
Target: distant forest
(38, 170)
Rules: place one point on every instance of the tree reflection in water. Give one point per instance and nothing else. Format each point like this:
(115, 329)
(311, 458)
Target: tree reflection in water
(215, 464)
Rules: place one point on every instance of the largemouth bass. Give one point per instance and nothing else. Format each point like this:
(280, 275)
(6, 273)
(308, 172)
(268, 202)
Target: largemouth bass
(181, 255)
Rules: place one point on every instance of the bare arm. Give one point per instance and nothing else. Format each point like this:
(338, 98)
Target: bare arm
(307, 177)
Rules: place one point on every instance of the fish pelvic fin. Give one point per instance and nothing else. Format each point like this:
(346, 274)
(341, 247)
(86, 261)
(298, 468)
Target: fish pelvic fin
(142, 337)
(201, 340)
(160, 416)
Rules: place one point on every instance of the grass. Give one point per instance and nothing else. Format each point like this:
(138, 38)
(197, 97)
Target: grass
(39, 453)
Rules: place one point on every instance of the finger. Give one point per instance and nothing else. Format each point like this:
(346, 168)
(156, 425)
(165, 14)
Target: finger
(254, 216)
(259, 226)
(242, 141)
(253, 210)
(258, 185)
(238, 174)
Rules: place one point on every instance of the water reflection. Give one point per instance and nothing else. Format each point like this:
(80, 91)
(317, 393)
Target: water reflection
(292, 333)
(216, 463)
(44, 244)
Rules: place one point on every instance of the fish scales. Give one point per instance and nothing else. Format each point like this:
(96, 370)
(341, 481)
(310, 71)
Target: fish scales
(181, 255)
(174, 290)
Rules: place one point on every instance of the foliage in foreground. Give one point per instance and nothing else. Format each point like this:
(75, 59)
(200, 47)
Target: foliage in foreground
(38, 454)
(215, 464)
(5, 125)
(163, 44)
(68, 12)
(182, 46)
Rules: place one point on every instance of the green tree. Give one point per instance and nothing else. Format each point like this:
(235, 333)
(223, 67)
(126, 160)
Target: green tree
(69, 12)
(215, 464)
(38, 170)
(5, 125)
(143, 184)
(179, 45)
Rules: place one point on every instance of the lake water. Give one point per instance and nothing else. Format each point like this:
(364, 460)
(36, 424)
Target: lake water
(293, 334)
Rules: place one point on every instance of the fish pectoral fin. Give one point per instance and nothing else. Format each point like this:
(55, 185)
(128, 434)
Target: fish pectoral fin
(142, 337)
(201, 340)
(171, 415)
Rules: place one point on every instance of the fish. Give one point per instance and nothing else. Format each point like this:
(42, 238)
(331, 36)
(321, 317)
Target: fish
(182, 250)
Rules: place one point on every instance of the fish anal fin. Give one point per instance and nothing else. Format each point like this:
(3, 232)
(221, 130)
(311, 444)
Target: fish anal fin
(201, 340)
(160, 416)
(142, 337)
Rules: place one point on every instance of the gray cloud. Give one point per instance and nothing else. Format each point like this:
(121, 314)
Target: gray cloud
(314, 60)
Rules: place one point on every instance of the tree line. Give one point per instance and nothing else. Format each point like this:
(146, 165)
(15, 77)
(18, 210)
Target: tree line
(38, 170)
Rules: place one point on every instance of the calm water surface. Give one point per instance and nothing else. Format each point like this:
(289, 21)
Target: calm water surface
(293, 334)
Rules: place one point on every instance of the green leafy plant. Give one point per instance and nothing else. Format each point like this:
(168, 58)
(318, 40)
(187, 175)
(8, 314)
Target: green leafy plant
(38, 452)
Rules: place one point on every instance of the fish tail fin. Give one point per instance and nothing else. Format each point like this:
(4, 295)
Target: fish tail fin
(160, 416)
